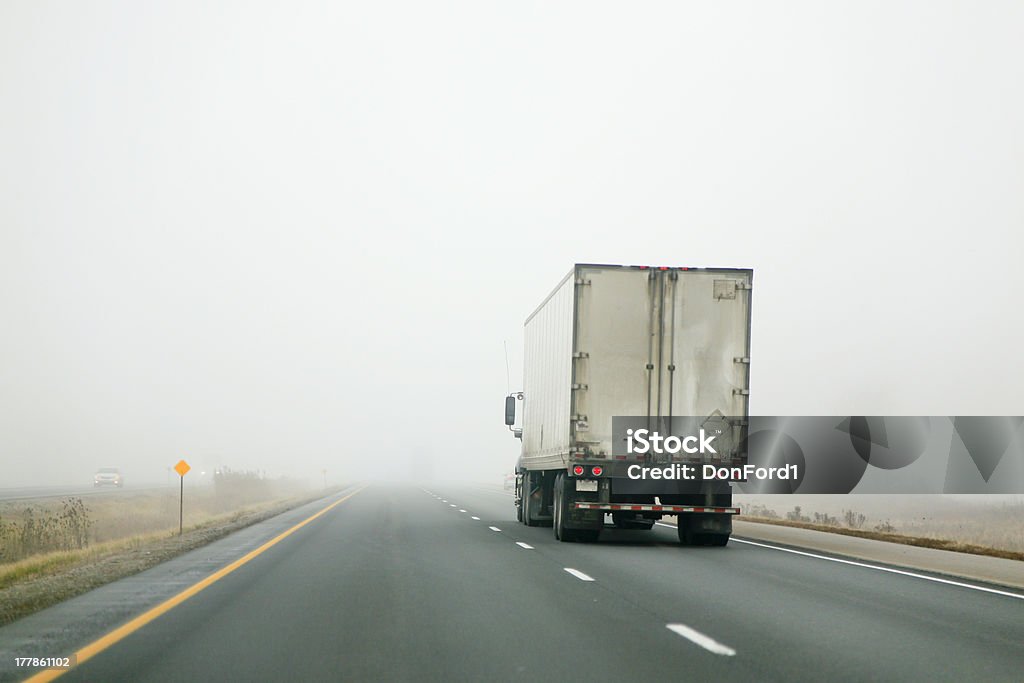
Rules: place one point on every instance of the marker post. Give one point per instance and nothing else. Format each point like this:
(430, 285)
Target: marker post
(182, 469)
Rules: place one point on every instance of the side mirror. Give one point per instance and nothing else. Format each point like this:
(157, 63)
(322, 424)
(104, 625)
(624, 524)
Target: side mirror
(510, 410)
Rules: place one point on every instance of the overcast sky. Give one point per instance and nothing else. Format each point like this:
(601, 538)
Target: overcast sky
(295, 235)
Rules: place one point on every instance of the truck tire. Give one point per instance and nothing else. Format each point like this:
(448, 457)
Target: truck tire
(528, 504)
(556, 513)
(719, 540)
(588, 535)
(690, 537)
(561, 505)
(686, 537)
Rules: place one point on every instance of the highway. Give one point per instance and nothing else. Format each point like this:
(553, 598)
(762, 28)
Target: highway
(442, 584)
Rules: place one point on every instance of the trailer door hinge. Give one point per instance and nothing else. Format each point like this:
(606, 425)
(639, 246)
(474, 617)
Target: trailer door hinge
(582, 281)
(741, 359)
(581, 387)
(741, 392)
(581, 354)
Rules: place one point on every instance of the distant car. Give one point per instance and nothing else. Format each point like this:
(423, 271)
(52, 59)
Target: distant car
(108, 476)
(510, 481)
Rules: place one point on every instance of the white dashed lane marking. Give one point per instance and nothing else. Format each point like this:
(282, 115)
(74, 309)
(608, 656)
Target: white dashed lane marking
(698, 638)
(578, 574)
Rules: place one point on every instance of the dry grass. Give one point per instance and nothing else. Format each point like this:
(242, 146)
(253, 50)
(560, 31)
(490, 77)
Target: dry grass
(923, 542)
(54, 562)
(64, 525)
(990, 526)
(54, 528)
(35, 583)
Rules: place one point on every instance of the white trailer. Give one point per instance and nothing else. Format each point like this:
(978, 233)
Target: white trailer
(669, 345)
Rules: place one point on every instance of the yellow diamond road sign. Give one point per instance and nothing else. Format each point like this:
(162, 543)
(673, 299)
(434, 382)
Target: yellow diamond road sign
(182, 468)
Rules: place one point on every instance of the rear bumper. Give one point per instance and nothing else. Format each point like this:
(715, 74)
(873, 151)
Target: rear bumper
(664, 509)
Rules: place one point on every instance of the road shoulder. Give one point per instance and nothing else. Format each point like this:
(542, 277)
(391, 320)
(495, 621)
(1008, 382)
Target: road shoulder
(961, 565)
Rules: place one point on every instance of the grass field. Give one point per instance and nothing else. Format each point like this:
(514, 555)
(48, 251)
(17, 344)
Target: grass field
(75, 524)
(947, 521)
(142, 532)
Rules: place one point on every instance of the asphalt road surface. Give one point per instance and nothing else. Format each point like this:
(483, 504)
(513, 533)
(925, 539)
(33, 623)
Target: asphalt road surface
(444, 585)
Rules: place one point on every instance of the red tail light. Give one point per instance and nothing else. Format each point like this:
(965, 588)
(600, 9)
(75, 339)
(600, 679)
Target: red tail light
(578, 470)
(596, 470)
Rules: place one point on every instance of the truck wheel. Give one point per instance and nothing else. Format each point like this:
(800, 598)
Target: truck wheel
(528, 504)
(719, 540)
(686, 537)
(556, 512)
(556, 525)
(561, 533)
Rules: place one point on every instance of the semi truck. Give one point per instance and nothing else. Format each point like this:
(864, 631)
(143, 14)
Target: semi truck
(614, 350)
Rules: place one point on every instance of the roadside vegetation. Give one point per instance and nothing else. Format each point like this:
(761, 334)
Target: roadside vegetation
(993, 530)
(73, 523)
(53, 549)
(60, 527)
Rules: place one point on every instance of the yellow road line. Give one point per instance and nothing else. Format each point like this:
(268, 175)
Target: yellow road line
(100, 644)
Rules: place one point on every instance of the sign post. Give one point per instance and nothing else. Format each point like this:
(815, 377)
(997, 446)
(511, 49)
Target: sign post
(182, 469)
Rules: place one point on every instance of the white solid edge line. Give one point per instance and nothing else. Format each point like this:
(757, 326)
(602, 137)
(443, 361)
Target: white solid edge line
(698, 638)
(476, 518)
(524, 545)
(578, 574)
(890, 570)
(494, 528)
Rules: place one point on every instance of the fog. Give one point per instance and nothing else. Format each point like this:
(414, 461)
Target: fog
(297, 237)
